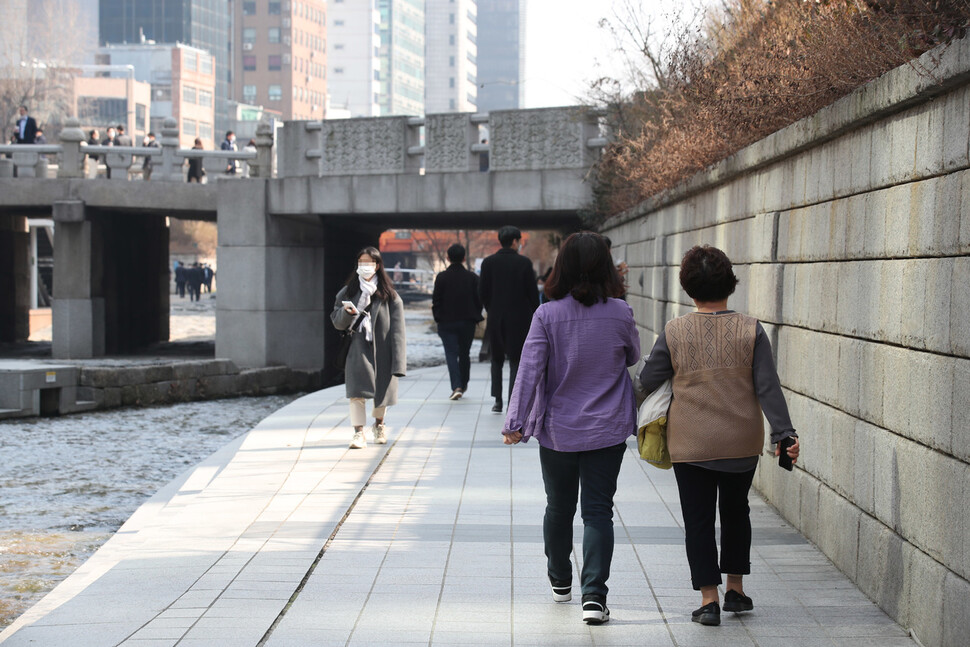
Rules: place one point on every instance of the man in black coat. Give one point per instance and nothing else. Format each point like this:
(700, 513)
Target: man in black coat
(457, 309)
(26, 127)
(509, 294)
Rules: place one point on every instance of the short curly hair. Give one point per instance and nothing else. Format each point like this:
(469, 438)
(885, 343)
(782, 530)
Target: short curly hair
(706, 274)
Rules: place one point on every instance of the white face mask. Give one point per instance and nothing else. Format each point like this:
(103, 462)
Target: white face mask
(367, 270)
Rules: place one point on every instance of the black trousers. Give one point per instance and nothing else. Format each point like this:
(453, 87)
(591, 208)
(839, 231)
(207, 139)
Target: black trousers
(702, 492)
(501, 350)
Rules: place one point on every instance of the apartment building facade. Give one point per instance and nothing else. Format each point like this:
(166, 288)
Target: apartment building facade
(280, 56)
(402, 57)
(501, 54)
(353, 57)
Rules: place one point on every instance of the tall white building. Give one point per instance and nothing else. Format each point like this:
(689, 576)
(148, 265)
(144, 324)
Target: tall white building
(353, 58)
(451, 68)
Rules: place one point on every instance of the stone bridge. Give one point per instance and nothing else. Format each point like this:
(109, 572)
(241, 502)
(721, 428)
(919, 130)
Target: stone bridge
(288, 233)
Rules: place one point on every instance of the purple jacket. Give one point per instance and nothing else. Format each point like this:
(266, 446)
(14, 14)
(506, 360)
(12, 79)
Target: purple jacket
(573, 391)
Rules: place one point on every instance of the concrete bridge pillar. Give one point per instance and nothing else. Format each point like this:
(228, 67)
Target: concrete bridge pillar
(14, 278)
(271, 308)
(110, 281)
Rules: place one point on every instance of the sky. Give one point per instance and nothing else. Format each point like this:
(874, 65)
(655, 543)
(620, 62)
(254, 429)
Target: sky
(566, 48)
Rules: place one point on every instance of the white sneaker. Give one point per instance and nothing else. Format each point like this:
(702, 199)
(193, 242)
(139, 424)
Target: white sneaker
(455, 395)
(379, 436)
(358, 442)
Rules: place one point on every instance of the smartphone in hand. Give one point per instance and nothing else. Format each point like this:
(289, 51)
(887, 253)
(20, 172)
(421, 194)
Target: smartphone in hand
(349, 304)
(784, 460)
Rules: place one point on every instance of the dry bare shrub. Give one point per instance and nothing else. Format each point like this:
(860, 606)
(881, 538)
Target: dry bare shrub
(754, 67)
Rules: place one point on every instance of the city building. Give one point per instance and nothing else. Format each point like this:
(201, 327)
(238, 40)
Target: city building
(200, 23)
(501, 54)
(451, 69)
(183, 83)
(353, 58)
(108, 95)
(280, 56)
(401, 57)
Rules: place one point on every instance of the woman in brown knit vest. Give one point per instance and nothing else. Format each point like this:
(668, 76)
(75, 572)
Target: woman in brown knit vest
(723, 379)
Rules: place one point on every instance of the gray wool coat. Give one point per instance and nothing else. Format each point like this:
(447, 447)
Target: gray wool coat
(373, 367)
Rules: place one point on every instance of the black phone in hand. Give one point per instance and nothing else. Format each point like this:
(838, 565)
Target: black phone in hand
(784, 460)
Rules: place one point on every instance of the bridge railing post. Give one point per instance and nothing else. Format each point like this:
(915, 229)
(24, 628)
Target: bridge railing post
(262, 166)
(170, 169)
(72, 159)
(301, 149)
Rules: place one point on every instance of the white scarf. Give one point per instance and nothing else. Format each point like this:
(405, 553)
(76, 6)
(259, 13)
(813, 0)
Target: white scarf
(367, 289)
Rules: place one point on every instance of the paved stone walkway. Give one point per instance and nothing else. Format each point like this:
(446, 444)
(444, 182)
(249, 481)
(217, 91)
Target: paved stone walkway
(287, 538)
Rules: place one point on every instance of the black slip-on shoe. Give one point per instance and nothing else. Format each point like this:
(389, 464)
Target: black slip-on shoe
(709, 614)
(497, 407)
(562, 590)
(594, 609)
(736, 602)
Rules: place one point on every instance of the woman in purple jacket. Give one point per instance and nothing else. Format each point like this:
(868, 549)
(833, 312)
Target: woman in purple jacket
(573, 394)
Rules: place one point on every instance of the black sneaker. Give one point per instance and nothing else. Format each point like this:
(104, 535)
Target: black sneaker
(709, 614)
(594, 609)
(497, 407)
(736, 602)
(562, 590)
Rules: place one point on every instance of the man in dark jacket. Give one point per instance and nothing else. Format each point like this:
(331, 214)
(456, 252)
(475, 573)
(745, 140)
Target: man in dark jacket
(509, 294)
(26, 127)
(457, 309)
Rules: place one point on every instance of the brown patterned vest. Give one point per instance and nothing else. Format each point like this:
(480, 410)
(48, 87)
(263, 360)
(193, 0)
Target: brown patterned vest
(715, 412)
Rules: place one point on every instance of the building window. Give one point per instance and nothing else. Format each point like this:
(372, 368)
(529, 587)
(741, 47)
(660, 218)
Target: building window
(274, 8)
(338, 46)
(191, 61)
(140, 112)
(188, 94)
(249, 8)
(338, 23)
(451, 82)
(451, 19)
(161, 93)
(451, 104)
(275, 63)
(451, 61)
(249, 93)
(338, 70)
(274, 34)
(451, 39)
(205, 130)
(205, 98)
(249, 63)
(188, 127)
(205, 64)
(275, 92)
(249, 34)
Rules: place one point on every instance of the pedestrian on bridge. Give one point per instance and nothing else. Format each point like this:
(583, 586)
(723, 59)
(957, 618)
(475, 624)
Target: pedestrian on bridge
(196, 172)
(457, 309)
(575, 397)
(510, 294)
(368, 305)
(724, 384)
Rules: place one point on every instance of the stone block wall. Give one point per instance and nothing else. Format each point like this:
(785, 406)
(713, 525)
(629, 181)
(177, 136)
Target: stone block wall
(850, 232)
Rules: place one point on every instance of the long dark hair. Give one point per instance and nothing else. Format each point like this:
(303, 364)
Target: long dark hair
(385, 289)
(584, 269)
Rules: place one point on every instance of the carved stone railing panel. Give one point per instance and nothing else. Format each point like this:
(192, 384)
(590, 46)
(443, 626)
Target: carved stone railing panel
(545, 138)
(368, 146)
(448, 143)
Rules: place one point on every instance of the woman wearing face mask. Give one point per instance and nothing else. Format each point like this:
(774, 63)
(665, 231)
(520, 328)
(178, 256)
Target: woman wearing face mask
(377, 355)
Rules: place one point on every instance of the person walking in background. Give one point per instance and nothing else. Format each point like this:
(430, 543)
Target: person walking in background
(723, 379)
(457, 309)
(250, 147)
(207, 276)
(378, 350)
(510, 294)
(196, 172)
(40, 139)
(193, 277)
(180, 279)
(26, 127)
(147, 164)
(229, 144)
(574, 396)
